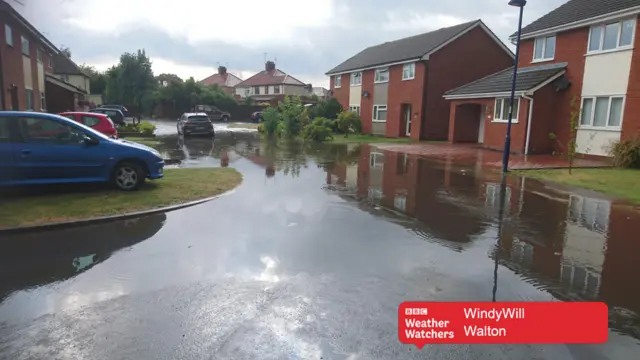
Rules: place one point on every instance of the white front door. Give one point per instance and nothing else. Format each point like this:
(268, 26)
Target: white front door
(481, 126)
(407, 118)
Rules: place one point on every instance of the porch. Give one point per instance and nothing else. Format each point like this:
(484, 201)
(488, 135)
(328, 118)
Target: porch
(61, 96)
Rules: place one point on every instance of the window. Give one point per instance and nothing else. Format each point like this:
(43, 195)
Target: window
(382, 75)
(544, 48)
(43, 101)
(376, 159)
(90, 120)
(408, 71)
(266, 89)
(8, 34)
(256, 90)
(45, 130)
(338, 81)
(380, 113)
(247, 91)
(39, 55)
(602, 111)
(50, 61)
(29, 99)
(356, 79)
(25, 45)
(276, 89)
(592, 214)
(355, 109)
(492, 195)
(502, 110)
(609, 37)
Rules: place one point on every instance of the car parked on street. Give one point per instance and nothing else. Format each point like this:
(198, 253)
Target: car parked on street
(213, 113)
(114, 114)
(195, 124)
(122, 108)
(41, 148)
(96, 121)
(256, 116)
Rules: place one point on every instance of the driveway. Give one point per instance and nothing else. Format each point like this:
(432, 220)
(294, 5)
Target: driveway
(310, 257)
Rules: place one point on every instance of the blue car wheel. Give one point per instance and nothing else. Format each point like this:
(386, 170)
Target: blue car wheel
(128, 176)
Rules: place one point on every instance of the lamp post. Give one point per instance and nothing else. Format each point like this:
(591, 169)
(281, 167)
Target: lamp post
(507, 140)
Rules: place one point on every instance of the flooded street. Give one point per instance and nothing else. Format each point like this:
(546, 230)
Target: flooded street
(310, 257)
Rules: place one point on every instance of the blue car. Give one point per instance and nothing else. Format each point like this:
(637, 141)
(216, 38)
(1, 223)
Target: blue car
(40, 148)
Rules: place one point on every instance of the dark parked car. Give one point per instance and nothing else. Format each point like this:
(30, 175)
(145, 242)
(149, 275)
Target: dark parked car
(195, 124)
(114, 114)
(213, 112)
(256, 116)
(117, 107)
(40, 148)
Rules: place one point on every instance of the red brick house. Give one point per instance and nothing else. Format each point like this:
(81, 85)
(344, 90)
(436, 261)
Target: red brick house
(26, 67)
(397, 86)
(225, 80)
(583, 51)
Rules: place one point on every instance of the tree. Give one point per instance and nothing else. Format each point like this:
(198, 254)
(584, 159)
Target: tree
(98, 79)
(131, 80)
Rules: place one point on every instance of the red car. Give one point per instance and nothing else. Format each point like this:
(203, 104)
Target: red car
(96, 121)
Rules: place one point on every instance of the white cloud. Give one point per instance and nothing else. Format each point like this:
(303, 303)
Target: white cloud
(247, 22)
(413, 21)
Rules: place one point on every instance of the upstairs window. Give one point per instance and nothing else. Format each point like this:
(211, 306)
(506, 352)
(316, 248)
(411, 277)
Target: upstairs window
(256, 90)
(544, 48)
(408, 71)
(382, 75)
(39, 52)
(276, 89)
(612, 36)
(25, 45)
(266, 90)
(8, 34)
(338, 81)
(356, 79)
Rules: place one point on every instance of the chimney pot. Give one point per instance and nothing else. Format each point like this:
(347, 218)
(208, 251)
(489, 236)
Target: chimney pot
(222, 70)
(270, 66)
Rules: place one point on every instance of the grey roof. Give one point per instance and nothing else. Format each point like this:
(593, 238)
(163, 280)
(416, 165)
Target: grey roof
(577, 10)
(404, 49)
(64, 65)
(528, 78)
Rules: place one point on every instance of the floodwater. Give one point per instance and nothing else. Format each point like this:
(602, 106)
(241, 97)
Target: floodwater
(310, 257)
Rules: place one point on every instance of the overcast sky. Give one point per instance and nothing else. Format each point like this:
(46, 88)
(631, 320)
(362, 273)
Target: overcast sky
(191, 37)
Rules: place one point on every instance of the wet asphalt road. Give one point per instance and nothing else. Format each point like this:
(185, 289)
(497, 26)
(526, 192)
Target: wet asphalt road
(309, 258)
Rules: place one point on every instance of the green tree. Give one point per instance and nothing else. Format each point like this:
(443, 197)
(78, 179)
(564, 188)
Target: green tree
(98, 79)
(131, 80)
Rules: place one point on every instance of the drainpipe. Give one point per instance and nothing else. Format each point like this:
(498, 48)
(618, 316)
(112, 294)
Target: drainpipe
(3, 90)
(526, 145)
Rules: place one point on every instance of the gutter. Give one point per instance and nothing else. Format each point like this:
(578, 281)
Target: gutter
(529, 117)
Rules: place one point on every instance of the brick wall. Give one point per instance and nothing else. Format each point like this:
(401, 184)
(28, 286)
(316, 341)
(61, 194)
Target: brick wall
(470, 57)
(631, 123)
(366, 103)
(405, 92)
(342, 93)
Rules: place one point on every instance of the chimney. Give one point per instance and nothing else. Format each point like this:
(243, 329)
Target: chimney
(222, 70)
(270, 66)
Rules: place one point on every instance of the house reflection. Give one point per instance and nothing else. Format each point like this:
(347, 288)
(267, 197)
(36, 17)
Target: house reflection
(576, 247)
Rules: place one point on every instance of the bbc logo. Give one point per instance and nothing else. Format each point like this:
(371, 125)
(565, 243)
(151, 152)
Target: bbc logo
(416, 311)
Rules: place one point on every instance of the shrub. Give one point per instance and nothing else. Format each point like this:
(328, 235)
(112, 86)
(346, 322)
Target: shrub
(291, 112)
(349, 122)
(270, 120)
(626, 153)
(147, 128)
(261, 128)
(129, 128)
(319, 130)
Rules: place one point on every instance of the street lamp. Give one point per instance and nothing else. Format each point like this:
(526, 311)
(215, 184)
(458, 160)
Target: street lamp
(507, 140)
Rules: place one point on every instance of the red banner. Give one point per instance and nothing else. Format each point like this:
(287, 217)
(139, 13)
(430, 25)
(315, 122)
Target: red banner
(422, 323)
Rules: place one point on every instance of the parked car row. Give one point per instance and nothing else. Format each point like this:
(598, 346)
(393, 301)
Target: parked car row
(41, 148)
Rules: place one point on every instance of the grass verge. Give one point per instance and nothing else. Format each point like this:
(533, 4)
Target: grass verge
(84, 201)
(619, 183)
(243, 126)
(151, 142)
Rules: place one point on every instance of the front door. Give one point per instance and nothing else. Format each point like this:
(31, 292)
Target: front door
(54, 150)
(481, 126)
(407, 119)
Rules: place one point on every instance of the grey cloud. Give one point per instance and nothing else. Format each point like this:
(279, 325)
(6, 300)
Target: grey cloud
(330, 45)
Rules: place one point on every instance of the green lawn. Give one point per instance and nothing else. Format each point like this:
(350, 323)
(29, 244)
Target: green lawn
(82, 201)
(619, 183)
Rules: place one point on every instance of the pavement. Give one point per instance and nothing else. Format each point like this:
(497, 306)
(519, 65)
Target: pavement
(309, 259)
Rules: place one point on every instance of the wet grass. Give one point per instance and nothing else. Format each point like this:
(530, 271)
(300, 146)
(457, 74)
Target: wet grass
(151, 142)
(243, 126)
(619, 183)
(28, 206)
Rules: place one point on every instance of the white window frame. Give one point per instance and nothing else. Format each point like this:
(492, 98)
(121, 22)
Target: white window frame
(411, 68)
(358, 76)
(492, 195)
(276, 89)
(266, 90)
(504, 118)
(337, 82)
(544, 48)
(377, 79)
(50, 60)
(376, 109)
(24, 40)
(8, 35)
(256, 90)
(39, 55)
(618, 46)
(590, 125)
(372, 159)
(354, 109)
(400, 202)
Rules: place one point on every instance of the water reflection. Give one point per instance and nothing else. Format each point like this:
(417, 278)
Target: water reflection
(32, 262)
(575, 247)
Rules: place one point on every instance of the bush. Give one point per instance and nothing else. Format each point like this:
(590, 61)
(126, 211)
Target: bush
(319, 130)
(129, 128)
(270, 120)
(260, 128)
(291, 112)
(349, 122)
(626, 153)
(147, 128)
